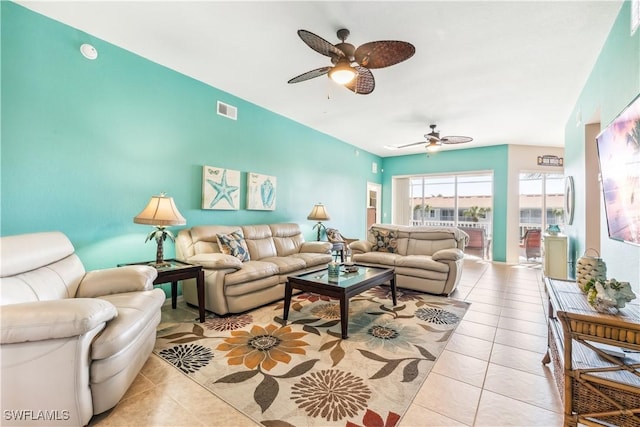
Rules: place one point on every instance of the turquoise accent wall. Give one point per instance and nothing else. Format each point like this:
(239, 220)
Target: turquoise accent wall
(85, 144)
(613, 83)
(494, 158)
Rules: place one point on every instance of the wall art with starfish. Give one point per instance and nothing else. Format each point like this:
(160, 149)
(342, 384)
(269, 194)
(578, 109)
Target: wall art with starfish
(220, 188)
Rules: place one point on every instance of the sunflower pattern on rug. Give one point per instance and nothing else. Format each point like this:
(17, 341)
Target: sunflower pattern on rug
(304, 373)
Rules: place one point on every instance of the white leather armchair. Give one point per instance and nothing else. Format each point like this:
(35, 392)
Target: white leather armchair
(71, 341)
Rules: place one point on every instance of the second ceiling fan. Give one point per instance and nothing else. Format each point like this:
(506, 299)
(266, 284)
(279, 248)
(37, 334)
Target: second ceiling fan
(351, 66)
(434, 141)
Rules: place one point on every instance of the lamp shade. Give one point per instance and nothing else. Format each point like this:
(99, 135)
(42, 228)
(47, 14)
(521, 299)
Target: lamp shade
(318, 213)
(161, 211)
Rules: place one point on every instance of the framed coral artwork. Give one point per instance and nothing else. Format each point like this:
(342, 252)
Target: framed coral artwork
(261, 192)
(220, 188)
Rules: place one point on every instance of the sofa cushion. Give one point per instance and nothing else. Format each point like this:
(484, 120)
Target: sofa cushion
(429, 246)
(312, 259)
(420, 273)
(385, 240)
(205, 237)
(215, 261)
(252, 290)
(286, 264)
(234, 244)
(251, 270)
(135, 311)
(259, 241)
(19, 252)
(287, 238)
(382, 258)
(51, 282)
(424, 262)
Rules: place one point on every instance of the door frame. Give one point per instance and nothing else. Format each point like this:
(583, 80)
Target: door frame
(376, 188)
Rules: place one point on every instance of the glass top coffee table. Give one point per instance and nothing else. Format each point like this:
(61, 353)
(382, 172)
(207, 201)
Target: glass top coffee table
(342, 287)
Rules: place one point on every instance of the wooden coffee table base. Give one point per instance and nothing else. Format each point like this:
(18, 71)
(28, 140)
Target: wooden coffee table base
(338, 292)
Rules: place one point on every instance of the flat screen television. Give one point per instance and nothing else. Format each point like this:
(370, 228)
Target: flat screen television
(619, 159)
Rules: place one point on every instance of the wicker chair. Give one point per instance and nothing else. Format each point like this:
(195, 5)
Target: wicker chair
(531, 243)
(340, 244)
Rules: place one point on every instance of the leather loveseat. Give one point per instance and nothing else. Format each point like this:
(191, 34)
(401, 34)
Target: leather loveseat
(246, 266)
(72, 342)
(426, 259)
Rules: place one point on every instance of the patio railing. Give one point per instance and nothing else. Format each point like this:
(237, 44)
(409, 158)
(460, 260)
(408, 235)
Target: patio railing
(523, 226)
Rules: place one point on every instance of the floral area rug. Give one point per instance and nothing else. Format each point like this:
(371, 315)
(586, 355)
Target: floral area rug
(304, 373)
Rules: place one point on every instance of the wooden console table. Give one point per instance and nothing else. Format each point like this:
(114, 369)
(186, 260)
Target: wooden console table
(597, 388)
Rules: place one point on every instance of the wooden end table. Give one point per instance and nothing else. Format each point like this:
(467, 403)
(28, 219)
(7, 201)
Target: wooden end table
(598, 386)
(342, 288)
(173, 272)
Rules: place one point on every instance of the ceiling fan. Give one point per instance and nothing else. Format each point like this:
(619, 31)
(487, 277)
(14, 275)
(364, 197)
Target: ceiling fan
(433, 141)
(351, 66)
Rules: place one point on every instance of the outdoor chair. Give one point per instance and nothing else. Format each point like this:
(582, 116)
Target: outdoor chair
(531, 243)
(477, 241)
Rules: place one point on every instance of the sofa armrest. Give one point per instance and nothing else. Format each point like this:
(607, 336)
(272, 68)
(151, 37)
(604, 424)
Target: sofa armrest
(131, 278)
(361, 246)
(452, 254)
(43, 320)
(316, 247)
(215, 261)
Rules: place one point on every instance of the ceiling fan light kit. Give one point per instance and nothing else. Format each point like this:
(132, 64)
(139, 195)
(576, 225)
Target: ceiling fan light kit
(342, 73)
(351, 66)
(433, 146)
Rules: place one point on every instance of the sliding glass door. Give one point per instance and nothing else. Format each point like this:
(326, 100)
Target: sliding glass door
(450, 200)
(541, 200)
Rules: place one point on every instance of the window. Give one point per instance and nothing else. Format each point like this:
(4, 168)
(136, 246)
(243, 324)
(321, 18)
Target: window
(447, 200)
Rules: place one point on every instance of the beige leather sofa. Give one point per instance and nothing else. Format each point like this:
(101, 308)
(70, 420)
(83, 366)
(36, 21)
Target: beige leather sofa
(72, 341)
(233, 286)
(426, 259)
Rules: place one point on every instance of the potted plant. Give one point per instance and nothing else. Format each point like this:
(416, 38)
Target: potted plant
(476, 212)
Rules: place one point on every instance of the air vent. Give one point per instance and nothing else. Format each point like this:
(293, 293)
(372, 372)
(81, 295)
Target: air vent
(229, 111)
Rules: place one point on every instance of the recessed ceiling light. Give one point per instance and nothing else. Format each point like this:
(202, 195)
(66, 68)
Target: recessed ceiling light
(88, 51)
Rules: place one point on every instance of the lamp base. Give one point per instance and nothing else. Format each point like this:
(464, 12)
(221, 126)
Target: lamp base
(320, 226)
(161, 264)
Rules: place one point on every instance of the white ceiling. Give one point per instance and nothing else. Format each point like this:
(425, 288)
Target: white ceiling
(504, 72)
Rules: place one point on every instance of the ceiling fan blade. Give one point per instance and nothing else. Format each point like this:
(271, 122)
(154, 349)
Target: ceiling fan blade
(364, 83)
(310, 75)
(456, 139)
(384, 53)
(319, 44)
(411, 144)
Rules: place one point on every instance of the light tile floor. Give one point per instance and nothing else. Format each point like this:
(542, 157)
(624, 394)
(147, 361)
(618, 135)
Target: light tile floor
(490, 373)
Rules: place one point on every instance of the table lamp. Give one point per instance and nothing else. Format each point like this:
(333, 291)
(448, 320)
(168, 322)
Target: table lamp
(319, 213)
(161, 212)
